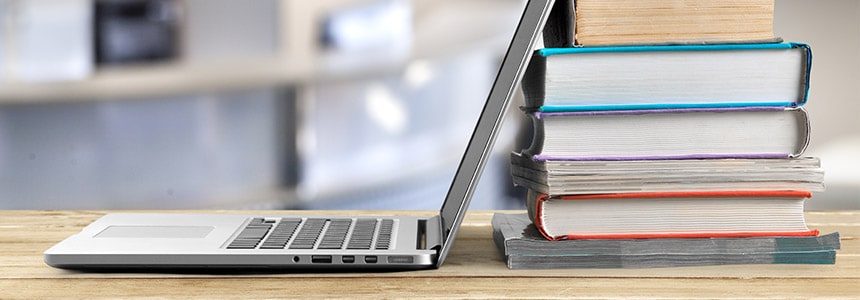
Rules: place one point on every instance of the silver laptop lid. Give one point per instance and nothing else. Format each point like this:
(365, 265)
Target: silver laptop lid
(490, 122)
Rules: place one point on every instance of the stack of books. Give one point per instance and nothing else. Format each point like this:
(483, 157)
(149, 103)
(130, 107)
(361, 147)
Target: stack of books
(663, 142)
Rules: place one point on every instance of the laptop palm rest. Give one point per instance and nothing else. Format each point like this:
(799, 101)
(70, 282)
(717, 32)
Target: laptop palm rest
(175, 232)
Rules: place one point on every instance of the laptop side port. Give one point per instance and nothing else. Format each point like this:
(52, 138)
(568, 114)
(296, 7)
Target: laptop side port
(348, 259)
(400, 259)
(370, 259)
(321, 259)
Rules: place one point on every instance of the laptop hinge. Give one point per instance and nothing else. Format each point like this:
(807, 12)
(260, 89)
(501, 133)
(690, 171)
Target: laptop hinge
(430, 231)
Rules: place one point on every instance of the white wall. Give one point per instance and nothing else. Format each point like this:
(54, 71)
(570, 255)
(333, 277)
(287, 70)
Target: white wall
(832, 28)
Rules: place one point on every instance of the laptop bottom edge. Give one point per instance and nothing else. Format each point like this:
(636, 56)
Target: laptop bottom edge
(345, 261)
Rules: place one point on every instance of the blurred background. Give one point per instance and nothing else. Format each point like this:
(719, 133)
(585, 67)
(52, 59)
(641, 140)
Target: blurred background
(288, 104)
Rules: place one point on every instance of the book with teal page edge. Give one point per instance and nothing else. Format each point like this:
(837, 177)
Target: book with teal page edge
(537, 95)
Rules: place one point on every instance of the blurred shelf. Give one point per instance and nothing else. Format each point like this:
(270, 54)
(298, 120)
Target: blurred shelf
(152, 81)
(441, 29)
(137, 82)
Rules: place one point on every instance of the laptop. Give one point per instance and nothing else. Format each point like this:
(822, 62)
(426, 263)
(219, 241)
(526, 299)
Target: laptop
(237, 242)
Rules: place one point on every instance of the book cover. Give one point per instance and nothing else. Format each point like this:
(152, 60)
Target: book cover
(523, 247)
(670, 134)
(690, 214)
(668, 76)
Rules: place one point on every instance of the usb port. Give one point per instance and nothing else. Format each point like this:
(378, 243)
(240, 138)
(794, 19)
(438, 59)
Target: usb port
(321, 259)
(348, 259)
(370, 259)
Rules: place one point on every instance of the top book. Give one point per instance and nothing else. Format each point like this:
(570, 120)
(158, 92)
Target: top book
(677, 76)
(641, 22)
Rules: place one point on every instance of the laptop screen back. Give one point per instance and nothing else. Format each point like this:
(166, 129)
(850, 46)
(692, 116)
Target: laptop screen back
(490, 121)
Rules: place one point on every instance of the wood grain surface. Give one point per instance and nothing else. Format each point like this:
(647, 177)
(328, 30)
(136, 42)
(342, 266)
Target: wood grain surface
(474, 269)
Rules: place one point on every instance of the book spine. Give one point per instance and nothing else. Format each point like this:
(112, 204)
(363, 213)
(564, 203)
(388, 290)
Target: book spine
(538, 136)
(558, 31)
(532, 199)
(806, 134)
(534, 82)
(807, 71)
(536, 214)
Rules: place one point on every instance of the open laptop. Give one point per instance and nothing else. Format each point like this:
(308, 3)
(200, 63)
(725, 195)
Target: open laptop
(228, 241)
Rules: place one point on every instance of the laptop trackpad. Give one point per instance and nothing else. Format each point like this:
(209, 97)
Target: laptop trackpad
(155, 232)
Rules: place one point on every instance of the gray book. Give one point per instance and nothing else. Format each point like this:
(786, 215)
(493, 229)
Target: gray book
(524, 248)
(561, 177)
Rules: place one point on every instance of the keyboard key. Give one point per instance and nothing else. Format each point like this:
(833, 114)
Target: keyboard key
(251, 235)
(282, 234)
(362, 234)
(383, 240)
(335, 234)
(308, 234)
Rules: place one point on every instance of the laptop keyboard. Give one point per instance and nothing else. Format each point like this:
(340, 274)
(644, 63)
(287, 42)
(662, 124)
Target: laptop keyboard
(314, 233)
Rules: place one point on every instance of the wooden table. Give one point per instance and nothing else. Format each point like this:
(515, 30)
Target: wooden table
(474, 269)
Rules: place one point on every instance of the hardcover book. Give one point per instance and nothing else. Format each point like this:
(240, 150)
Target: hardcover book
(670, 134)
(659, 77)
(693, 214)
(625, 22)
(523, 247)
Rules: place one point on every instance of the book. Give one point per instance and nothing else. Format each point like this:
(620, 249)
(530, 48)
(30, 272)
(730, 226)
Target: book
(558, 177)
(523, 247)
(595, 22)
(691, 214)
(746, 132)
(658, 77)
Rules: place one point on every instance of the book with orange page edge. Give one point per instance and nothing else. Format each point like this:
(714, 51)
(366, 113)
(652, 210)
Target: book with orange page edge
(691, 214)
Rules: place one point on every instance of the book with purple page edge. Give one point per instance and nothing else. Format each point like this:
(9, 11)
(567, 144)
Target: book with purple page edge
(803, 124)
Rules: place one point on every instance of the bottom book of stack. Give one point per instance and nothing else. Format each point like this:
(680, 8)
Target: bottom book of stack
(525, 248)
